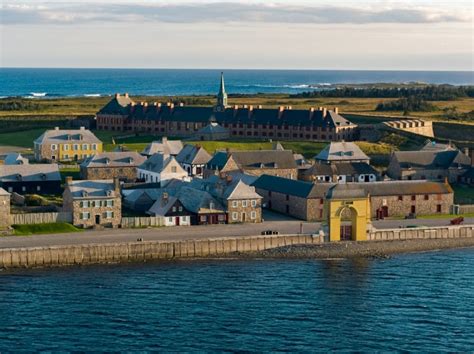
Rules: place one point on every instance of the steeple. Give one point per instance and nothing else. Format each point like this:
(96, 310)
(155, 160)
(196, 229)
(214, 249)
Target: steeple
(221, 96)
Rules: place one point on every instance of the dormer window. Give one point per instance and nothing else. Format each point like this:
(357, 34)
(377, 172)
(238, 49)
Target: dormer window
(211, 205)
(85, 194)
(19, 177)
(43, 176)
(107, 161)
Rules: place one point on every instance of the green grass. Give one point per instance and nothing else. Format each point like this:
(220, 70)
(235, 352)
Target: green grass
(72, 171)
(463, 194)
(445, 216)
(22, 138)
(49, 228)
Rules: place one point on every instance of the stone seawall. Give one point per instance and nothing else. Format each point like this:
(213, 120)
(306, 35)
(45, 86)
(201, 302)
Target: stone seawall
(420, 233)
(143, 251)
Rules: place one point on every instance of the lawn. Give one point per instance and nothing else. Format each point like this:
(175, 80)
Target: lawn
(49, 228)
(23, 138)
(74, 172)
(463, 194)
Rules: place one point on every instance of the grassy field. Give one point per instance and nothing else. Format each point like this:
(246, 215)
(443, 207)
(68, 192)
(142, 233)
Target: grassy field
(463, 194)
(81, 106)
(49, 228)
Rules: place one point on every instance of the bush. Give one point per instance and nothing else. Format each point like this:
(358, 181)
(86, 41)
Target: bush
(409, 104)
(49, 228)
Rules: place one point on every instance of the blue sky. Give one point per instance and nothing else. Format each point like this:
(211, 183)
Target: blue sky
(305, 34)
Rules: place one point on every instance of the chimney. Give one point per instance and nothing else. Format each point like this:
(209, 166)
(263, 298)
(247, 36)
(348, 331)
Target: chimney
(164, 198)
(82, 128)
(259, 106)
(56, 128)
(466, 151)
(181, 104)
(68, 180)
(236, 110)
(311, 112)
(289, 108)
(126, 94)
(280, 111)
(171, 106)
(336, 110)
(117, 184)
(117, 95)
(164, 140)
(250, 111)
(325, 112)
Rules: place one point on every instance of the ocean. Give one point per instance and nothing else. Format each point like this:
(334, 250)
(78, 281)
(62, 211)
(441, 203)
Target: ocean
(48, 83)
(420, 302)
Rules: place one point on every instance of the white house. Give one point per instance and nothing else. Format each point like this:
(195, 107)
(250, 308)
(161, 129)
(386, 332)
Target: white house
(161, 168)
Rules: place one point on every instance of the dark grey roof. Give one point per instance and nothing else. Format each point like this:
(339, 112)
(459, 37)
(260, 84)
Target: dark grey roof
(246, 115)
(319, 190)
(218, 160)
(193, 155)
(431, 159)
(164, 146)
(282, 159)
(340, 169)
(344, 191)
(114, 159)
(213, 128)
(34, 172)
(15, 158)
(73, 136)
(92, 189)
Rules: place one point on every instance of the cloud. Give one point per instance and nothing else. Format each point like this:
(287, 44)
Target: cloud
(222, 12)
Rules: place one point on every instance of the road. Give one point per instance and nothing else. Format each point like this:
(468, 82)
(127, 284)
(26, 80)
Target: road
(272, 222)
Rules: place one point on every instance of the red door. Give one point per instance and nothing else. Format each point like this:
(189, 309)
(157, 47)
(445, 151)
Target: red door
(177, 221)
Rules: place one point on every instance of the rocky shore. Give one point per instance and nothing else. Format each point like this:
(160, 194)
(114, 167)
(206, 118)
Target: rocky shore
(367, 249)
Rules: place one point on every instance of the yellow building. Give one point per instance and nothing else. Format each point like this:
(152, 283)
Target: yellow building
(66, 145)
(347, 210)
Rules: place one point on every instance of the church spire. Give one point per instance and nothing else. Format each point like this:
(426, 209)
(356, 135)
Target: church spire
(221, 96)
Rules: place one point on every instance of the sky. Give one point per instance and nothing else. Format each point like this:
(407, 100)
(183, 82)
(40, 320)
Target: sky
(226, 34)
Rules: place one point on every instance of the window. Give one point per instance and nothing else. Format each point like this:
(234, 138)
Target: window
(321, 201)
(427, 197)
(66, 147)
(235, 203)
(10, 189)
(38, 188)
(97, 203)
(75, 147)
(173, 169)
(85, 147)
(438, 208)
(85, 216)
(287, 197)
(54, 147)
(254, 203)
(170, 219)
(180, 208)
(235, 216)
(110, 203)
(184, 218)
(287, 209)
(203, 218)
(23, 188)
(253, 215)
(413, 197)
(221, 217)
(109, 214)
(94, 146)
(66, 157)
(244, 203)
(85, 204)
(400, 197)
(174, 209)
(413, 209)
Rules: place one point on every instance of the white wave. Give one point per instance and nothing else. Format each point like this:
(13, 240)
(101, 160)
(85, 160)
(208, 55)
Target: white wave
(92, 95)
(38, 94)
(293, 86)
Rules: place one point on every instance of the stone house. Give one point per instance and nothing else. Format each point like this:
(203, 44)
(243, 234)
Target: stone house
(305, 200)
(193, 158)
(435, 165)
(337, 152)
(93, 203)
(172, 209)
(66, 145)
(107, 165)
(341, 172)
(31, 179)
(161, 168)
(163, 146)
(5, 218)
(240, 200)
(259, 162)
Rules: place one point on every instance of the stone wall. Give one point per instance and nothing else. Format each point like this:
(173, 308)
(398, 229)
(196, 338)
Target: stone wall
(124, 173)
(4, 211)
(422, 233)
(244, 213)
(143, 251)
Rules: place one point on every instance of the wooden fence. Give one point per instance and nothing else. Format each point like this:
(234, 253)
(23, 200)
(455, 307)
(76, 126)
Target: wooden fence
(40, 218)
(142, 221)
(466, 209)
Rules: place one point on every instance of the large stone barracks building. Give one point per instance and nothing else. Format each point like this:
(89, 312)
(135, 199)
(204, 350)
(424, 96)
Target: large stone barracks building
(284, 123)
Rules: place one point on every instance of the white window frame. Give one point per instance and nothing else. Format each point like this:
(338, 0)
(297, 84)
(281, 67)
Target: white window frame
(66, 147)
(85, 146)
(254, 203)
(235, 216)
(109, 214)
(235, 203)
(75, 147)
(110, 203)
(244, 203)
(85, 215)
(94, 147)
(54, 147)
(253, 215)
(38, 188)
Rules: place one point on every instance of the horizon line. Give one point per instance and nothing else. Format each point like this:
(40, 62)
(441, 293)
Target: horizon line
(230, 69)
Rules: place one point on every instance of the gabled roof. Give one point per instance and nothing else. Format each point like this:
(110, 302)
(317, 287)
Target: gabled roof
(165, 146)
(3, 192)
(92, 189)
(119, 104)
(281, 159)
(291, 187)
(29, 173)
(198, 201)
(431, 159)
(73, 136)
(158, 163)
(162, 204)
(240, 190)
(218, 160)
(114, 159)
(213, 128)
(193, 155)
(435, 146)
(15, 158)
(340, 169)
(341, 151)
